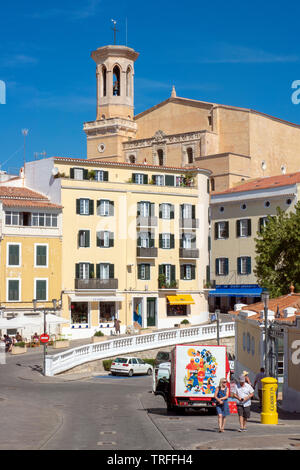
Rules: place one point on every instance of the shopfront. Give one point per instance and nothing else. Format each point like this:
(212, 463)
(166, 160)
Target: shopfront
(225, 297)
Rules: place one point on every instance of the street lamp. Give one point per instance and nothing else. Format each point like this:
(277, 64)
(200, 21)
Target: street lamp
(265, 298)
(45, 310)
(217, 313)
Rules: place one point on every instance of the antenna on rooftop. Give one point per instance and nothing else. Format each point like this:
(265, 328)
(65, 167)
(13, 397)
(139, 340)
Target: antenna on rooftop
(114, 30)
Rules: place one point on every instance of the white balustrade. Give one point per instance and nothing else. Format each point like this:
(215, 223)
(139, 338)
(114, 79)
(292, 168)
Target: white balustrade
(91, 352)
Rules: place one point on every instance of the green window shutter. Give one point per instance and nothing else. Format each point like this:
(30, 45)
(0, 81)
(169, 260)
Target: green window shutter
(91, 207)
(209, 243)
(160, 211)
(169, 180)
(72, 173)
(79, 238)
(87, 238)
(226, 229)
(13, 255)
(172, 241)
(193, 271)
(207, 273)
(160, 240)
(105, 175)
(13, 290)
(249, 227)
(77, 206)
(111, 239)
(193, 211)
(139, 271)
(41, 290)
(154, 179)
(85, 174)
(161, 269)
(77, 271)
(147, 272)
(173, 272)
(172, 211)
(145, 179)
(182, 271)
(216, 230)
(138, 209)
(111, 207)
(98, 271)
(248, 265)
(111, 271)
(226, 266)
(239, 265)
(41, 255)
(181, 242)
(238, 228)
(91, 270)
(151, 240)
(139, 240)
(134, 177)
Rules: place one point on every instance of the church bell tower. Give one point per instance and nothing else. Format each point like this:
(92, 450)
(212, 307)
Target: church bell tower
(115, 103)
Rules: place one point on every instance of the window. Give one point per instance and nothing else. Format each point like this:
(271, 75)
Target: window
(187, 272)
(159, 180)
(101, 175)
(14, 255)
(262, 223)
(221, 230)
(103, 80)
(84, 206)
(166, 211)
(267, 204)
(13, 290)
(83, 238)
(41, 289)
(84, 270)
(144, 272)
(244, 265)
(41, 252)
(168, 270)
(144, 239)
(187, 211)
(166, 240)
(144, 208)
(176, 310)
(132, 159)
(188, 241)
(13, 218)
(244, 207)
(39, 219)
(190, 156)
(104, 271)
(222, 266)
(116, 81)
(160, 157)
(105, 208)
(128, 81)
(79, 312)
(78, 173)
(243, 228)
(107, 311)
(105, 239)
(140, 178)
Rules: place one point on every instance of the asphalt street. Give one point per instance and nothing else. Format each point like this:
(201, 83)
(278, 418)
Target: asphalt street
(77, 412)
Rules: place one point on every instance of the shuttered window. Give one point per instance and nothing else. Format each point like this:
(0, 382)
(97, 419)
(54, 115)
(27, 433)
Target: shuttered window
(41, 289)
(13, 255)
(41, 255)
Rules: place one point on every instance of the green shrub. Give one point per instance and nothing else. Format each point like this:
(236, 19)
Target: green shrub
(20, 344)
(107, 364)
(99, 333)
(185, 322)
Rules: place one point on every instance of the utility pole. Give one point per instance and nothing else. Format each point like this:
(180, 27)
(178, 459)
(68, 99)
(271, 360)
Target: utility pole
(25, 133)
(217, 313)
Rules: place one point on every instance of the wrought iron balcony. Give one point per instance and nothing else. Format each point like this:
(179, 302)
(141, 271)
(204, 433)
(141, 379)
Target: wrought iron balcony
(94, 284)
(146, 252)
(146, 221)
(188, 253)
(189, 223)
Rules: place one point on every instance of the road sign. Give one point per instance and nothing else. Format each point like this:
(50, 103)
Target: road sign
(44, 338)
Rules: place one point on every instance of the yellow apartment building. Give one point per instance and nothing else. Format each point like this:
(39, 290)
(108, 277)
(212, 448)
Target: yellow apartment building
(237, 217)
(30, 253)
(135, 242)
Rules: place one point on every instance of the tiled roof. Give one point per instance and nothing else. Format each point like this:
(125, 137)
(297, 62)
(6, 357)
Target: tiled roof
(285, 301)
(27, 203)
(13, 191)
(264, 183)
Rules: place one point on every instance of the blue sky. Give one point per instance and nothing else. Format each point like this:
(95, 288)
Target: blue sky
(237, 53)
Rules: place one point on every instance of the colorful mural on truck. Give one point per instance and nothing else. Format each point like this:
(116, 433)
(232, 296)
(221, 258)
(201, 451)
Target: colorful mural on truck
(199, 370)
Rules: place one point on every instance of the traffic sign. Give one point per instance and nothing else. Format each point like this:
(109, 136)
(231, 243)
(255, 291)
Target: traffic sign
(44, 338)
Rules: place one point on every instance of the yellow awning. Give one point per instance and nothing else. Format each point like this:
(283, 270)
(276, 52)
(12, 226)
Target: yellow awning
(180, 299)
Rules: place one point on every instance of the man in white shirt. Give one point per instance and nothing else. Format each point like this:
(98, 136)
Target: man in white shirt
(243, 393)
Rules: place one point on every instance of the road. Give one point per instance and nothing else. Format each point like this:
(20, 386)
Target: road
(114, 413)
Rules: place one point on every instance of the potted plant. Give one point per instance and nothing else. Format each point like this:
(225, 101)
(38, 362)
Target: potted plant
(162, 281)
(91, 174)
(98, 336)
(19, 348)
(184, 323)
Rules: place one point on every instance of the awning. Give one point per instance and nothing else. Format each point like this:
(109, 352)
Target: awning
(236, 292)
(180, 299)
(96, 298)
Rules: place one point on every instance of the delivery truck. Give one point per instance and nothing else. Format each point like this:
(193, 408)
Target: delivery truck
(190, 379)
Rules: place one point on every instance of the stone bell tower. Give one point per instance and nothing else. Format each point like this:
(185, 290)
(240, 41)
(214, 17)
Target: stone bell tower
(115, 103)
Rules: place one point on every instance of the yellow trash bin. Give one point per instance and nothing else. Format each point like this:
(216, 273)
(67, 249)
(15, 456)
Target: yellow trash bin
(269, 413)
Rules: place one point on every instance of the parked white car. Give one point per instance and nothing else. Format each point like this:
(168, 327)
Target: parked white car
(130, 366)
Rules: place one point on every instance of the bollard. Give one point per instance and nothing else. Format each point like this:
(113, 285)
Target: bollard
(269, 413)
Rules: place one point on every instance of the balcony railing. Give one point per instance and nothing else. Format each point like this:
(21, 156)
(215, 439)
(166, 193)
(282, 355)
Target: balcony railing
(94, 284)
(188, 253)
(146, 221)
(146, 252)
(189, 223)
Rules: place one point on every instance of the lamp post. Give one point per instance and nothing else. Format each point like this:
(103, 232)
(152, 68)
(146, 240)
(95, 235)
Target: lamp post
(45, 311)
(265, 298)
(217, 313)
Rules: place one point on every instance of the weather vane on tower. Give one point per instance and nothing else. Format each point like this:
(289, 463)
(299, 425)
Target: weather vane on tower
(114, 30)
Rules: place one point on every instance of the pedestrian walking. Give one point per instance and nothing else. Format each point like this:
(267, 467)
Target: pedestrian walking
(117, 326)
(243, 392)
(221, 396)
(261, 374)
(247, 379)
(8, 343)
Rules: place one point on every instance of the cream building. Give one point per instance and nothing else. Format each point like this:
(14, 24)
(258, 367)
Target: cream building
(237, 217)
(236, 144)
(135, 242)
